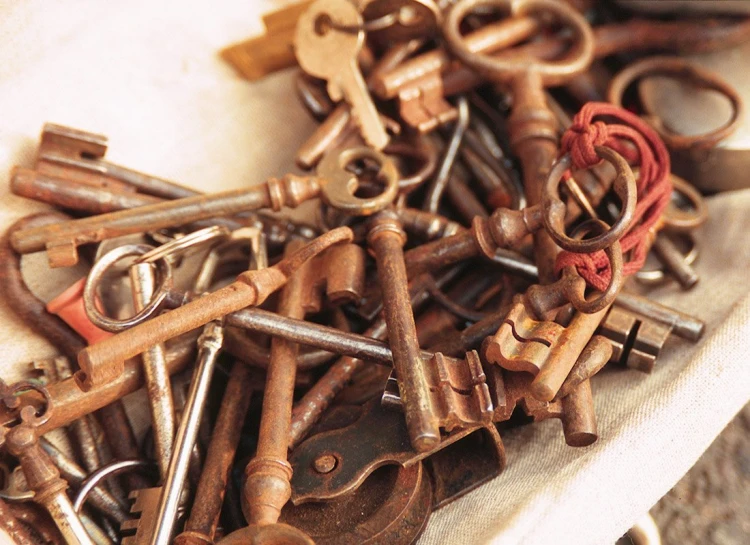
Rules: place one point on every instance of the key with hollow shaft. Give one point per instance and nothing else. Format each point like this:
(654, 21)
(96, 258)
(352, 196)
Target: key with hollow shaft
(327, 48)
(335, 186)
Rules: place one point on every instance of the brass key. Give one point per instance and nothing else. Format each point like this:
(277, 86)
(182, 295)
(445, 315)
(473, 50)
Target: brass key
(327, 50)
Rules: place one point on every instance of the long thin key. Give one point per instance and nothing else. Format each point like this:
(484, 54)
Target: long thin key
(327, 50)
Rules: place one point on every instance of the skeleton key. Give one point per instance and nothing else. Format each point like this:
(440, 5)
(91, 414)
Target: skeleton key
(271, 51)
(335, 187)
(138, 530)
(169, 500)
(159, 388)
(201, 526)
(325, 50)
(636, 340)
(22, 441)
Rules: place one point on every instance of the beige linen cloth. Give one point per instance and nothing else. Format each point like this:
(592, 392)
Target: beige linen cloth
(147, 75)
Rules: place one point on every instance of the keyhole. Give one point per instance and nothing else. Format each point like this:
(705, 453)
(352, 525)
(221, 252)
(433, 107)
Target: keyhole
(323, 24)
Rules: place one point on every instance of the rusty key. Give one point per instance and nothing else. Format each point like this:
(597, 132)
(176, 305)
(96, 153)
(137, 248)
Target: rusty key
(386, 238)
(201, 526)
(22, 441)
(104, 361)
(267, 486)
(335, 186)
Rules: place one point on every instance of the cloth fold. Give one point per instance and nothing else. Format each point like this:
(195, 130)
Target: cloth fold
(148, 76)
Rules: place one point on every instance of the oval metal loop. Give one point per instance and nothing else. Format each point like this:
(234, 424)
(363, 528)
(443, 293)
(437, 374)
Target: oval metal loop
(678, 220)
(339, 185)
(683, 70)
(100, 268)
(554, 210)
(551, 72)
(575, 286)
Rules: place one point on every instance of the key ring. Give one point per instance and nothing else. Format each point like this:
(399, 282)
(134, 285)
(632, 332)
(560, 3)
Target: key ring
(551, 72)
(574, 286)
(180, 246)
(555, 209)
(682, 70)
(100, 268)
(109, 470)
(339, 184)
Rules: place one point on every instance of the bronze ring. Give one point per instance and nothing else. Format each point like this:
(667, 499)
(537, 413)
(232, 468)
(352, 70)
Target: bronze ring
(551, 72)
(575, 286)
(100, 268)
(678, 220)
(685, 70)
(554, 209)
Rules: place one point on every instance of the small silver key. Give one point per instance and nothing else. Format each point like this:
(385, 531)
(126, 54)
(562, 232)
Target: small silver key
(327, 41)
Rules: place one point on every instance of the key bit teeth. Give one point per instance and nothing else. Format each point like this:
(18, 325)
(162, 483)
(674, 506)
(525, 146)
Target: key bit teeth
(129, 526)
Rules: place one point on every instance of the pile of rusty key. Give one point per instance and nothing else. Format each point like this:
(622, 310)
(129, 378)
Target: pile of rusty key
(335, 380)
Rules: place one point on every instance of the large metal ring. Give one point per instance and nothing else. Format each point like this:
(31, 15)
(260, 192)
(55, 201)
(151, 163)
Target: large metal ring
(551, 72)
(685, 70)
(100, 268)
(575, 286)
(554, 209)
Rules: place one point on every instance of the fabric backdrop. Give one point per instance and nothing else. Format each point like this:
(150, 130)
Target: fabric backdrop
(147, 75)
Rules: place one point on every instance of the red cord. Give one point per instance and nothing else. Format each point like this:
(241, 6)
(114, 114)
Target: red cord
(653, 182)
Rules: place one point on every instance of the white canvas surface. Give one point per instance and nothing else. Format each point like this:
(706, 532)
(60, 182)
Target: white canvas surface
(147, 75)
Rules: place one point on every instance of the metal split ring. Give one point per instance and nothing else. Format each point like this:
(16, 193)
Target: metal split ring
(100, 268)
(554, 209)
(422, 151)
(110, 470)
(180, 246)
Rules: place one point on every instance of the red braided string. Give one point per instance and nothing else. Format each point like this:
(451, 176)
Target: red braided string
(653, 182)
